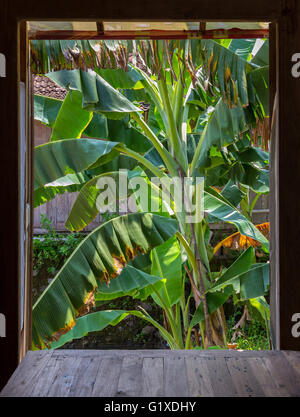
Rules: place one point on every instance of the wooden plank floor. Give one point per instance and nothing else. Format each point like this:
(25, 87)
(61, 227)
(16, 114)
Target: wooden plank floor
(156, 373)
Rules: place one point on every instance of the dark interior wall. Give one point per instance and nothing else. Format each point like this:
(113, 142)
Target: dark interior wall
(286, 12)
(288, 174)
(9, 195)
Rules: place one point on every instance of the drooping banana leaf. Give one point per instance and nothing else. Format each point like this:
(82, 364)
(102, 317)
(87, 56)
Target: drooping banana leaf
(70, 120)
(102, 255)
(57, 159)
(132, 282)
(97, 94)
(98, 321)
(86, 206)
(70, 183)
(258, 81)
(116, 191)
(257, 179)
(216, 207)
(228, 70)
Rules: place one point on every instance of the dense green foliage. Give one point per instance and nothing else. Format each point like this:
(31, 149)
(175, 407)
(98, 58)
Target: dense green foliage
(206, 101)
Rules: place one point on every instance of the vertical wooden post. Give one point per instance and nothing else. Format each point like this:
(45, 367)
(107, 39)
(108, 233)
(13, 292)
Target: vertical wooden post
(288, 175)
(274, 197)
(9, 206)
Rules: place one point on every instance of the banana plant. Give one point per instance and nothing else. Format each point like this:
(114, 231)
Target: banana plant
(204, 99)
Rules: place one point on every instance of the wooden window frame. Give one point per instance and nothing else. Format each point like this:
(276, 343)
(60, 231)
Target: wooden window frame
(284, 16)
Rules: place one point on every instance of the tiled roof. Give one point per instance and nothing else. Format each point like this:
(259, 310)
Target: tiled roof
(45, 87)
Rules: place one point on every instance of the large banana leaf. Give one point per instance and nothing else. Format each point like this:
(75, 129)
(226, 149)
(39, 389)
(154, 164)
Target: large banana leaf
(98, 321)
(97, 94)
(261, 58)
(70, 120)
(101, 256)
(119, 78)
(241, 265)
(57, 159)
(258, 81)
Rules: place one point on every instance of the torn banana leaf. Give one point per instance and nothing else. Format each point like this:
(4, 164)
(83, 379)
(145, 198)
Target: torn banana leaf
(101, 256)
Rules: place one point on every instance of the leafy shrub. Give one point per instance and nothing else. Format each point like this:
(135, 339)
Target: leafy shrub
(51, 250)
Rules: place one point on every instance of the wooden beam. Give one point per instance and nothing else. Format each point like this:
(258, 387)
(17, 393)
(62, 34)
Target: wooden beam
(288, 175)
(233, 33)
(136, 10)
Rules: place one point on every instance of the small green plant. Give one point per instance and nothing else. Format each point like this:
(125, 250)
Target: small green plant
(51, 250)
(251, 336)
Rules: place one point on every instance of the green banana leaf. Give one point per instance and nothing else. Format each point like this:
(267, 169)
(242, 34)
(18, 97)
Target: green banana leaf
(117, 131)
(95, 322)
(214, 301)
(248, 279)
(261, 58)
(86, 206)
(241, 265)
(167, 263)
(218, 208)
(232, 193)
(255, 282)
(102, 255)
(88, 203)
(259, 308)
(71, 120)
(97, 94)
(258, 81)
(228, 70)
(250, 284)
(132, 282)
(70, 183)
(46, 109)
(57, 159)
(242, 47)
(119, 78)
(223, 126)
